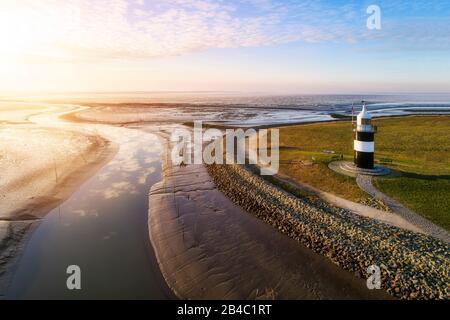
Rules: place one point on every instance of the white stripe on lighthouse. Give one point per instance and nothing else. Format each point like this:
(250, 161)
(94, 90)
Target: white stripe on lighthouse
(364, 146)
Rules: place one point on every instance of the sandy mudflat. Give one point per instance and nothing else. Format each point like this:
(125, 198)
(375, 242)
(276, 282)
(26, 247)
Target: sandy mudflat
(209, 248)
(227, 115)
(19, 112)
(40, 166)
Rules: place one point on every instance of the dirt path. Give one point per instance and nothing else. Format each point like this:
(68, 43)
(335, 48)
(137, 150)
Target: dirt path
(365, 183)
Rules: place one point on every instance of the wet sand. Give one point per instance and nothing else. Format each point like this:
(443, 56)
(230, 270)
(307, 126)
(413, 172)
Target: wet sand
(49, 165)
(209, 248)
(13, 238)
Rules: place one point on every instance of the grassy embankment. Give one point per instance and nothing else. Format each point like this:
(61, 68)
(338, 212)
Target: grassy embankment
(416, 147)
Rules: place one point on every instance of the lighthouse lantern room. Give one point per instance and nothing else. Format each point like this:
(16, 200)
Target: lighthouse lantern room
(364, 144)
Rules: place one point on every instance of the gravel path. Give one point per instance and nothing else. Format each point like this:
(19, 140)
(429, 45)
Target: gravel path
(413, 266)
(365, 183)
(357, 208)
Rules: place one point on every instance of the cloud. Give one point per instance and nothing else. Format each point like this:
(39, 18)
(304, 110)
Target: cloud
(74, 30)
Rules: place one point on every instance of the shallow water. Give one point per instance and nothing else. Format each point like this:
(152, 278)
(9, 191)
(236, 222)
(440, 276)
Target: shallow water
(102, 228)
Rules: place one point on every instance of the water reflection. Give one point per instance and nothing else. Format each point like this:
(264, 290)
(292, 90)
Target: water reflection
(102, 228)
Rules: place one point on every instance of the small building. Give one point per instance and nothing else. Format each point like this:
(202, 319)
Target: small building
(364, 144)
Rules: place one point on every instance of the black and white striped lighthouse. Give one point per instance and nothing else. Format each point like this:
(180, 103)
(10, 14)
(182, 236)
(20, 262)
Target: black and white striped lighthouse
(364, 144)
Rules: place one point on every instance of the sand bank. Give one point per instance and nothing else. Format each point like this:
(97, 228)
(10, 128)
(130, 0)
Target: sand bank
(41, 166)
(209, 248)
(19, 112)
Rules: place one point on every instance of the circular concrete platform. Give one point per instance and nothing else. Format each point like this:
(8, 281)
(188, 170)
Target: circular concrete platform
(350, 169)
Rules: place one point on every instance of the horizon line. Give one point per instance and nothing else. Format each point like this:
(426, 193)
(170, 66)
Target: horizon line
(272, 93)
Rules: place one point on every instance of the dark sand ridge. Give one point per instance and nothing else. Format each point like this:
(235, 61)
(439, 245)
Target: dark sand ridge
(209, 248)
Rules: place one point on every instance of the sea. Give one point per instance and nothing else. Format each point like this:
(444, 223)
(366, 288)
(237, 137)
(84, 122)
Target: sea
(255, 109)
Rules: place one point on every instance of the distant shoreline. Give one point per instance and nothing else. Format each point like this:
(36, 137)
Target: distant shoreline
(156, 113)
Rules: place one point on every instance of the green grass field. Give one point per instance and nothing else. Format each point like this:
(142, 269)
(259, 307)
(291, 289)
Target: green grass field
(416, 147)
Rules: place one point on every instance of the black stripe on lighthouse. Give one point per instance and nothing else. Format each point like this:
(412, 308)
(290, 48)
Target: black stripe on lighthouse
(365, 136)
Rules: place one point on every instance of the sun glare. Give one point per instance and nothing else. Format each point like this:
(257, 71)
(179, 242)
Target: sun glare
(31, 29)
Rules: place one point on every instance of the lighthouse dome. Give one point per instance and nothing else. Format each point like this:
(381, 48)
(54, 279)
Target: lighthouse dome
(364, 114)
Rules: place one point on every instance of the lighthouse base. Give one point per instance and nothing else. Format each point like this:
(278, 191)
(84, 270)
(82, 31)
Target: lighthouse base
(350, 169)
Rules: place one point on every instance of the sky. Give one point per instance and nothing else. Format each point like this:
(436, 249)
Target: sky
(270, 46)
